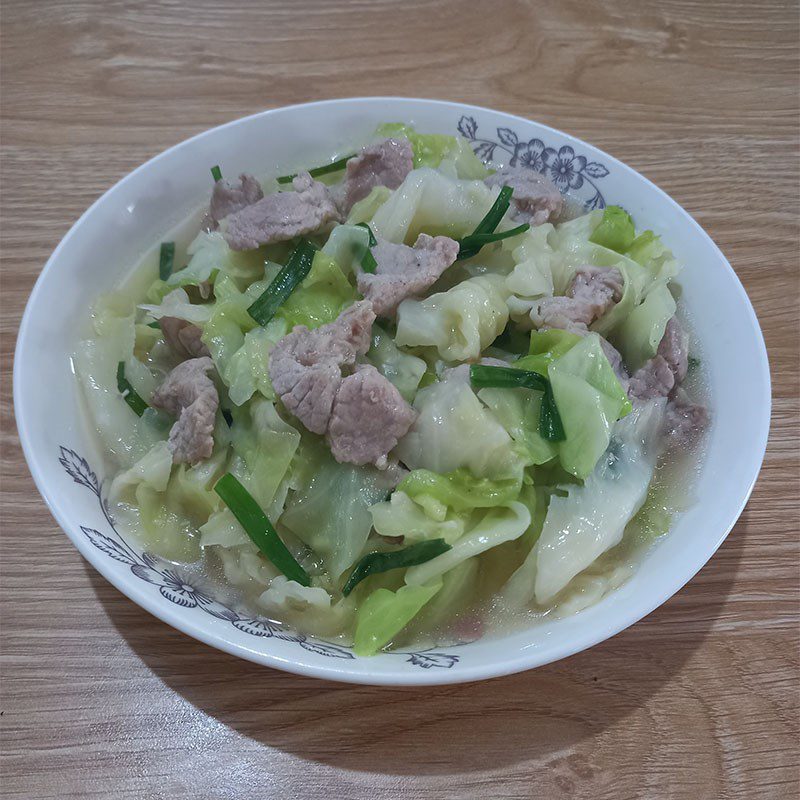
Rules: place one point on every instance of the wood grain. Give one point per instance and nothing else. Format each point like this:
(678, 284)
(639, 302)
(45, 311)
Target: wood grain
(700, 700)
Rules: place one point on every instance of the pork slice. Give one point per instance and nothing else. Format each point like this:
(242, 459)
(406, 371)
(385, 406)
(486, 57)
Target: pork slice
(305, 365)
(190, 395)
(535, 197)
(282, 216)
(667, 369)
(369, 417)
(228, 198)
(674, 349)
(592, 292)
(652, 380)
(403, 271)
(385, 163)
(684, 421)
(183, 337)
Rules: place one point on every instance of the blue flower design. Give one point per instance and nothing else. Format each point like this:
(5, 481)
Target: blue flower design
(529, 154)
(180, 592)
(564, 167)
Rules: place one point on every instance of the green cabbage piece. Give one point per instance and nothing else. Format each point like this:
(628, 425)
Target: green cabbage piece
(383, 614)
(330, 509)
(639, 335)
(321, 296)
(493, 528)
(460, 323)
(263, 446)
(168, 505)
(616, 230)
(456, 595)
(401, 516)
(124, 435)
(247, 370)
(453, 429)
(401, 369)
(590, 400)
(517, 410)
(430, 202)
(364, 210)
(209, 254)
(347, 245)
(431, 149)
(224, 332)
(545, 348)
(590, 519)
(459, 490)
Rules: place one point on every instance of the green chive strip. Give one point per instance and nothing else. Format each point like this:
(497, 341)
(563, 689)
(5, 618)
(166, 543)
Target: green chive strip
(475, 241)
(258, 527)
(166, 260)
(551, 427)
(216, 173)
(490, 222)
(373, 563)
(285, 282)
(156, 324)
(334, 166)
(368, 262)
(128, 392)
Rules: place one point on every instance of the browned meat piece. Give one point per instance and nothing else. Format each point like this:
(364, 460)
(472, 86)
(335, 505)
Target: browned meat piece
(592, 292)
(685, 420)
(305, 366)
(369, 417)
(654, 379)
(190, 395)
(228, 198)
(674, 349)
(183, 337)
(535, 196)
(385, 163)
(282, 216)
(404, 271)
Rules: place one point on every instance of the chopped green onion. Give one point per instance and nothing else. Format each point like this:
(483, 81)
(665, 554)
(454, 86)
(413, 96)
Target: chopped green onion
(484, 376)
(334, 166)
(285, 282)
(550, 425)
(475, 241)
(166, 260)
(128, 392)
(216, 173)
(154, 324)
(373, 563)
(368, 262)
(258, 527)
(490, 222)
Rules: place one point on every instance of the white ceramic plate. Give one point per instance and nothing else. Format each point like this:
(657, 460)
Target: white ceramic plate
(111, 236)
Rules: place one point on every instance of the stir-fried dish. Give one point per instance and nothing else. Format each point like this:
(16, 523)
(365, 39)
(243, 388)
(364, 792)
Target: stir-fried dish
(397, 397)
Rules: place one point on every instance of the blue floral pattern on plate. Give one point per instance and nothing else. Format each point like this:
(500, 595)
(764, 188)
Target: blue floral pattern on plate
(186, 593)
(569, 171)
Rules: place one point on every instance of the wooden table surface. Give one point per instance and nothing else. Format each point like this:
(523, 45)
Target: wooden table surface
(699, 700)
